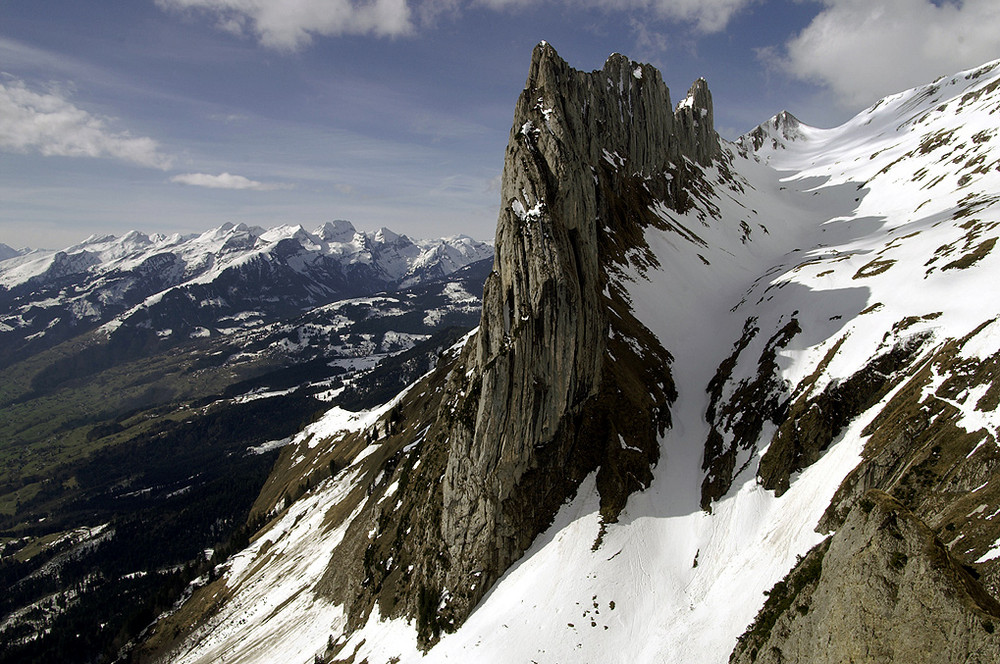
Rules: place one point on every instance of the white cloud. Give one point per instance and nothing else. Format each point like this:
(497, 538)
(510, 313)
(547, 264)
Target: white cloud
(47, 123)
(291, 24)
(706, 15)
(223, 181)
(229, 118)
(863, 50)
(345, 189)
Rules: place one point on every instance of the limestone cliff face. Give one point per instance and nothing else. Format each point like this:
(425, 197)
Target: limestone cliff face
(883, 589)
(559, 358)
(561, 380)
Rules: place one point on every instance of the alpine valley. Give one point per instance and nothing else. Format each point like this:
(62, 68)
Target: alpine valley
(725, 402)
(149, 383)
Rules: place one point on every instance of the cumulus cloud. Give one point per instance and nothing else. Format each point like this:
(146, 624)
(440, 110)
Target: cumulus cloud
(51, 125)
(706, 15)
(223, 181)
(291, 24)
(863, 50)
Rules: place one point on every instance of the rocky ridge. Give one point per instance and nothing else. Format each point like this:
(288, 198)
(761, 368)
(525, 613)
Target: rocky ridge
(840, 386)
(561, 379)
(884, 588)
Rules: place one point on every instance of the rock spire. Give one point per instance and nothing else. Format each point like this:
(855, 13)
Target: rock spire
(559, 358)
(561, 381)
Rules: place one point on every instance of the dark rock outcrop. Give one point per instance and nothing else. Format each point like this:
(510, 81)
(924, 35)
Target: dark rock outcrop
(568, 381)
(807, 420)
(813, 422)
(883, 589)
(911, 572)
(741, 417)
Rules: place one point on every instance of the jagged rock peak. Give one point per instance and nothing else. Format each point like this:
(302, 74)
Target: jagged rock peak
(385, 236)
(774, 134)
(561, 381)
(623, 109)
(588, 155)
(695, 121)
(338, 230)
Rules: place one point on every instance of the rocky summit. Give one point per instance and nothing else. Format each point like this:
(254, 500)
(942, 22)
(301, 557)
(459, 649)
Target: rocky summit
(726, 402)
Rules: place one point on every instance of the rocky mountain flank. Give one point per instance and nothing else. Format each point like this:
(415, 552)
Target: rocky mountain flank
(559, 381)
(911, 571)
(883, 589)
(908, 574)
(836, 351)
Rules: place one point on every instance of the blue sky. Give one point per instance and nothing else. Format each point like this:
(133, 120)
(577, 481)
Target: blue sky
(180, 115)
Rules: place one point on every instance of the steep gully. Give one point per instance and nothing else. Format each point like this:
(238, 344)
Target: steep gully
(561, 380)
(551, 399)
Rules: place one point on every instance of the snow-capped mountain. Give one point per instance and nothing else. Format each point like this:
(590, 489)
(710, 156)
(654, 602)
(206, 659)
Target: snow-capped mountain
(727, 402)
(9, 252)
(173, 287)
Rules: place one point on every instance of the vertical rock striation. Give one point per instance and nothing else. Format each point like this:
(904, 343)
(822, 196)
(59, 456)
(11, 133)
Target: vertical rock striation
(561, 380)
(559, 357)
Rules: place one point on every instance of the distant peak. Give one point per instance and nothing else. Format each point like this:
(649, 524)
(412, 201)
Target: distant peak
(97, 238)
(230, 228)
(785, 119)
(10, 252)
(774, 134)
(386, 236)
(338, 230)
(134, 239)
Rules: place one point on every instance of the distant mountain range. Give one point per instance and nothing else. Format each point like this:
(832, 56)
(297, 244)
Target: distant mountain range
(9, 252)
(153, 289)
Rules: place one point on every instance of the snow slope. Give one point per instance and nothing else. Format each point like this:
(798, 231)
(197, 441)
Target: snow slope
(853, 231)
